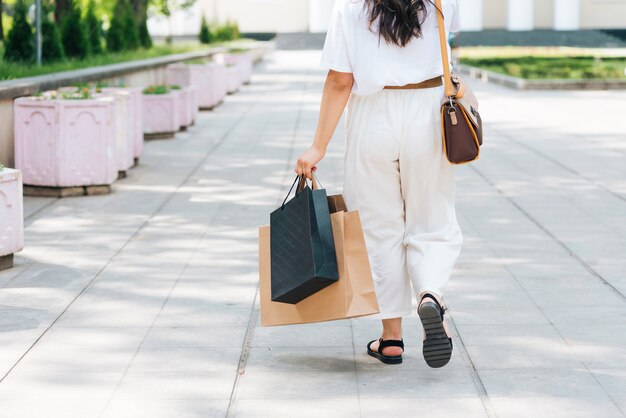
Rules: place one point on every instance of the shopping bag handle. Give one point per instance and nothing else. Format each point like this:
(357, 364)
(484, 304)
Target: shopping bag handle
(315, 184)
(301, 181)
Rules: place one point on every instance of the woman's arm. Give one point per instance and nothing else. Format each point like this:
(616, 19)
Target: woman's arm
(334, 99)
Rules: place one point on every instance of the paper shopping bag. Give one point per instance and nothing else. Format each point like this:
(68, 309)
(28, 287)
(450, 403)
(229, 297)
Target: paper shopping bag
(353, 295)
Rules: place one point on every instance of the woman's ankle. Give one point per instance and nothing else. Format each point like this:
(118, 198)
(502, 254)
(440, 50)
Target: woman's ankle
(391, 336)
(392, 329)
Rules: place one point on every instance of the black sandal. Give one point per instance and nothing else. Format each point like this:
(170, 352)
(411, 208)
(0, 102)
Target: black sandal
(437, 347)
(382, 345)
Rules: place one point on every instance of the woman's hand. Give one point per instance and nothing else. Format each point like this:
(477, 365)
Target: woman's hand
(307, 163)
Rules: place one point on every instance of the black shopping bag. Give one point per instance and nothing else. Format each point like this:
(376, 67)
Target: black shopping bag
(302, 250)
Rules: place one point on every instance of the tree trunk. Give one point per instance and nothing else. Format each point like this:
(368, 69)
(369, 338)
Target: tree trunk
(61, 9)
(140, 7)
(1, 27)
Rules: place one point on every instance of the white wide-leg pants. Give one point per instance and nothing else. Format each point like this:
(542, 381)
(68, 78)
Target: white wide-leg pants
(398, 178)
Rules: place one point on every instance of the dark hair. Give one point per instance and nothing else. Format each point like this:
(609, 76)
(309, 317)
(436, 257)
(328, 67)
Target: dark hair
(397, 21)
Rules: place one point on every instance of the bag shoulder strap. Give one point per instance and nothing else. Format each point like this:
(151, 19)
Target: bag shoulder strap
(447, 77)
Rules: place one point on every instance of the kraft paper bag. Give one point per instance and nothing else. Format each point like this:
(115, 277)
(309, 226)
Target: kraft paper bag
(350, 297)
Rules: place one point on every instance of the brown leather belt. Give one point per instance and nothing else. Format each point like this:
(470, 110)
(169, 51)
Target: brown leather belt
(433, 82)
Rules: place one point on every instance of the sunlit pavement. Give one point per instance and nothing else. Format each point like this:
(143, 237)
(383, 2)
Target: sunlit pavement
(141, 303)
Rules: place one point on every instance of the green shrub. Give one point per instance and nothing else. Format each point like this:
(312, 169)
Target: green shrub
(541, 67)
(131, 29)
(19, 45)
(205, 33)
(65, 93)
(81, 93)
(51, 45)
(94, 29)
(235, 29)
(123, 34)
(74, 34)
(160, 89)
(227, 32)
(116, 41)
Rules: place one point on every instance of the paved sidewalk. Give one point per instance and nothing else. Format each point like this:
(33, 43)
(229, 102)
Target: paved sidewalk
(142, 303)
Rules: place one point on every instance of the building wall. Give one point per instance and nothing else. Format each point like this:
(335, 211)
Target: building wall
(544, 14)
(594, 14)
(304, 15)
(494, 14)
(266, 16)
(597, 14)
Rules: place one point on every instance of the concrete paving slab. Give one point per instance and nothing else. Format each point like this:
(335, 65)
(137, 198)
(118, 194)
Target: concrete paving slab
(163, 408)
(600, 355)
(331, 407)
(208, 316)
(324, 336)
(494, 335)
(42, 385)
(613, 380)
(550, 383)
(301, 359)
(502, 299)
(620, 401)
(550, 406)
(174, 386)
(448, 408)
(194, 337)
(444, 383)
(53, 408)
(532, 356)
(279, 385)
(528, 315)
(176, 359)
(594, 333)
(84, 350)
(581, 298)
(590, 314)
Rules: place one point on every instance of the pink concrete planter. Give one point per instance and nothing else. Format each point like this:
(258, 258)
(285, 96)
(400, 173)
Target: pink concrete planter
(123, 128)
(243, 61)
(161, 114)
(193, 93)
(187, 105)
(136, 114)
(209, 80)
(233, 80)
(219, 79)
(65, 143)
(11, 216)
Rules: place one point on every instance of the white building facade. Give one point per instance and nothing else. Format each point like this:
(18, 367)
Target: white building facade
(279, 16)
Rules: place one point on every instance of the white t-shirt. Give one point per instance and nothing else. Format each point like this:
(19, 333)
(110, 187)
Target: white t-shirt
(351, 47)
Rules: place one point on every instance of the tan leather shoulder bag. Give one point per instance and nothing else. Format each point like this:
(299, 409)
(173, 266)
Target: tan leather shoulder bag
(460, 121)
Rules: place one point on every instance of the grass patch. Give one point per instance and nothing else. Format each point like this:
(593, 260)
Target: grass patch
(9, 70)
(552, 65)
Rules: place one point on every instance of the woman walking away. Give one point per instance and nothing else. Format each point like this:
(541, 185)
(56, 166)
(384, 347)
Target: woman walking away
(384, 62)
